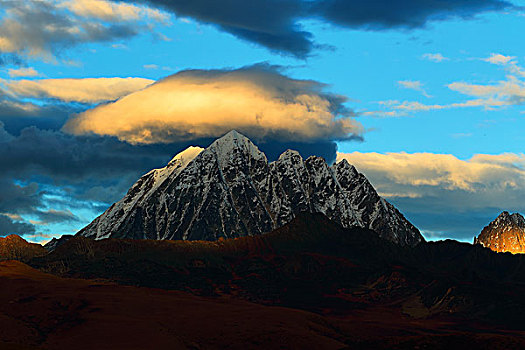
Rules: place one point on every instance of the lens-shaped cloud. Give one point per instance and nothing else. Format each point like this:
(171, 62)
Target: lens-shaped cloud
(255, 100)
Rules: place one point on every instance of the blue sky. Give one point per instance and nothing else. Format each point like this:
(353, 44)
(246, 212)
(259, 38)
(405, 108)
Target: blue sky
(443, 64)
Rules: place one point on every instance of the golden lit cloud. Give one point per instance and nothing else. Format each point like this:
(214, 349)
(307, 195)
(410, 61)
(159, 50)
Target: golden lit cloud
(22, 72)
(87, 90)
(112, 11)
(257, 101)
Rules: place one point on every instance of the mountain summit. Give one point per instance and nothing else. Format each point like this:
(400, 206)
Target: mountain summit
(230, 190)
(505, 234)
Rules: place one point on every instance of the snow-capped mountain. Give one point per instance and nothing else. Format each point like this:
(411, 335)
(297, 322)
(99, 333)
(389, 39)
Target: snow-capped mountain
(505, 234)
(230, 190)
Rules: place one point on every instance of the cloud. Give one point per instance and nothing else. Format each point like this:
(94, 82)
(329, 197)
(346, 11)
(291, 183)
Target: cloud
(113, 11)
(9, 226)
(255, 100)
(86, 90)
(435, 57)
(45, 173)
(386, 14)
(22, 72)
(413, 85)
(269, 23)
(510, 91)
(53, 216)
(43, 28)
(505, 93)
(430, 186)
(275, 24)
(499, 59)
(10, 59)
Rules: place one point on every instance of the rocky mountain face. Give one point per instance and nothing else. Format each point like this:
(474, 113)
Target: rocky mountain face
(230, 190)
(505, 234)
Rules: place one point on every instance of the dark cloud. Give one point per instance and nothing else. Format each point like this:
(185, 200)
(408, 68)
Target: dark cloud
(9, 226)
(388, 14)
(16, 115)
(94, 169)
(270, 23)
(275, 23)
(18, 199)
(11, 59)
(54, 216)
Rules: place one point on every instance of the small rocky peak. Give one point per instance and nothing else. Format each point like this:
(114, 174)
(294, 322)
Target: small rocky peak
(345, 168)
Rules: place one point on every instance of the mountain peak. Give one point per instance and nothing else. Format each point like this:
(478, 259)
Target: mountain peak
(505, 218)
(233, 137)
(505, 234)
(232, 145)
(230, 190)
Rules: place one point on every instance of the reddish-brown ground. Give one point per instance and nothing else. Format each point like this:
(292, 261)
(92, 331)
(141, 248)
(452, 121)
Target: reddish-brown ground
(39, 310)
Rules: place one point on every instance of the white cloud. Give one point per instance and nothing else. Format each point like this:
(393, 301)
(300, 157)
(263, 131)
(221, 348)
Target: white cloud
(22, 72)
(435, 57)
(499, 59)
(87, 90)
(257, 101)
(413, 85)
(505, 93)
(510, 91)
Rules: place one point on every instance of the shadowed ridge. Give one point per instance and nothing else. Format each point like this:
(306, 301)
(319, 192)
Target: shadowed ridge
(14, 247)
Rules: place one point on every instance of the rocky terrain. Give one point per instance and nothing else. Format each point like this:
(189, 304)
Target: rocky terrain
(505, 234)
(310, 283)
(230, 190)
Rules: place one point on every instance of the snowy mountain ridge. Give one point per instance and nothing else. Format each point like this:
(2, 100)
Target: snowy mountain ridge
(230, 190)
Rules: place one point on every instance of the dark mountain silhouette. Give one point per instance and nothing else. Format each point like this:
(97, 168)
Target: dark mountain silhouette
(316, 265)
(14, 247)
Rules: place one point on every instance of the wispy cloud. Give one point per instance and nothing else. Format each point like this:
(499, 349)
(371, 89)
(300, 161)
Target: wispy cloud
(413, 85)
(22, 72)
(500, 59)
(505, 93)
(113, 11)
(435, 57)
(86, 90)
